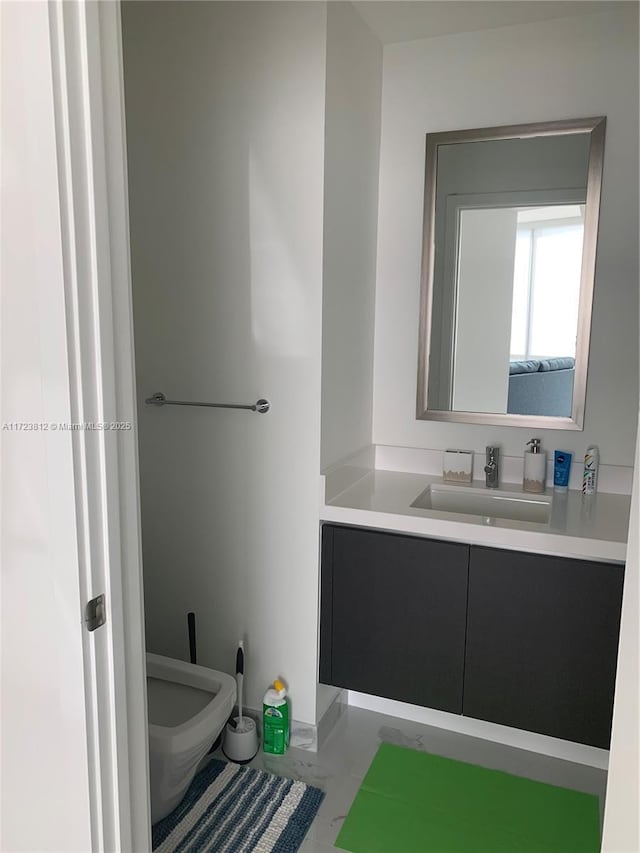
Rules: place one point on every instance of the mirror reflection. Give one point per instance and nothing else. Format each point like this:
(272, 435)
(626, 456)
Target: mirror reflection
(510, 227)
(524, 264)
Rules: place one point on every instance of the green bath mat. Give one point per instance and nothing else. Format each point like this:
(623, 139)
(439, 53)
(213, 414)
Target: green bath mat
(414, 802)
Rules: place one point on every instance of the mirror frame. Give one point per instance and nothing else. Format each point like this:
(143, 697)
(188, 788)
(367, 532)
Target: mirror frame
(596, 128)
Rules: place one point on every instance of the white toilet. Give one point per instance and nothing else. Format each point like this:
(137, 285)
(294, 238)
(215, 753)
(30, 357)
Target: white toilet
(188, 706)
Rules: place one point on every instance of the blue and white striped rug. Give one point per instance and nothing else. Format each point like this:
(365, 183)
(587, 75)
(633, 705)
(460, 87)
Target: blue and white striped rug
(234, 809)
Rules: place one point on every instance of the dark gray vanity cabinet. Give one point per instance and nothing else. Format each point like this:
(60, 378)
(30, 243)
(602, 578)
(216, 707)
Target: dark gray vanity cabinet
(520, 639)
(393, 615)
(542, 640)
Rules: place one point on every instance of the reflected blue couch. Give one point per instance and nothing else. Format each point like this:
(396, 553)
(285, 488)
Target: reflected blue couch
(541, 387)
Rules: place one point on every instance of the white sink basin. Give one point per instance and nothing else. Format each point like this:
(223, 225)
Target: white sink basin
(490, 503)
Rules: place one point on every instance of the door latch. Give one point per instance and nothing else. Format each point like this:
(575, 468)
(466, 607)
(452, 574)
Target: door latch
(95, 613)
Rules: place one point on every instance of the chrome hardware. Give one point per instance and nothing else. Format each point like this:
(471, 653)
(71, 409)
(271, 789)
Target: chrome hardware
(492, 468)
(262, 406)
(535, 445)
(95, 613)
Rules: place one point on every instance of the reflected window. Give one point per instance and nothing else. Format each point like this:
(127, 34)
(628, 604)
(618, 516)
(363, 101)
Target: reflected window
(546, 282)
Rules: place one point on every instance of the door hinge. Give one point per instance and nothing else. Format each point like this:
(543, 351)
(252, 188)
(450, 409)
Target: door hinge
(95, 613)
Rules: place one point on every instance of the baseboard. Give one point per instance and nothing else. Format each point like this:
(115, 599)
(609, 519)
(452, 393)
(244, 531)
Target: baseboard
(310, 737)
(306, 735)
(327, 722)
(542, 744)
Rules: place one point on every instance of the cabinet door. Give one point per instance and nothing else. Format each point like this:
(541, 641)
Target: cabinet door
(393, 616)
(542, 639)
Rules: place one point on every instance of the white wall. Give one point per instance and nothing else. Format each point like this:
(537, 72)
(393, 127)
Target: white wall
(225, 127)
(567, 68)
(621, 819)
(352, 147)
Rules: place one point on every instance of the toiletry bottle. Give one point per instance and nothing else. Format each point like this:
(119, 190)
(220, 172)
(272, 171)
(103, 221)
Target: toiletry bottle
(535, 467)
(590, 474)
(561, 470)
(275, 719)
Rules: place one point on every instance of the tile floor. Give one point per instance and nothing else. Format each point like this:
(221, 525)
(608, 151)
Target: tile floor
(339, 767)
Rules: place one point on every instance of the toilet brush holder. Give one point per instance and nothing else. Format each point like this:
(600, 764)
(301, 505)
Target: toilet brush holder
(240, 741)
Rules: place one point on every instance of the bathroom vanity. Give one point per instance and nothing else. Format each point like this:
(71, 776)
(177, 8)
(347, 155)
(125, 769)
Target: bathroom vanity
(509, 621)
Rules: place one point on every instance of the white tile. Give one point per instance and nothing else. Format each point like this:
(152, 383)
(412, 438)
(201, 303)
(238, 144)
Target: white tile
(352, 745)
(342, 762)
(313, 845)
(338, 799)
(298, 764)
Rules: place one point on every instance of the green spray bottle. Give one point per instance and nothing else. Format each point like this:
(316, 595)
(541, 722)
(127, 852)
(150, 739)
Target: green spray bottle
(275, 719)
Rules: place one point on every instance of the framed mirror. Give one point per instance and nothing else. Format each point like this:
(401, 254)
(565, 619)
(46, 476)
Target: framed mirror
(509, 248)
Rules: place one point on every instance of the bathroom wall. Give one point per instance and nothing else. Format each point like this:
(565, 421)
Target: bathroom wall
(567, 68)
(225, 129)
(352, 147)
(351, 171)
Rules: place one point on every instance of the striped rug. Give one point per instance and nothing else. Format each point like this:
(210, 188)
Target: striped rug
(234, 809)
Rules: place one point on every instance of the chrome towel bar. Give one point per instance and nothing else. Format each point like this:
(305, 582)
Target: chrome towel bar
(159, 399)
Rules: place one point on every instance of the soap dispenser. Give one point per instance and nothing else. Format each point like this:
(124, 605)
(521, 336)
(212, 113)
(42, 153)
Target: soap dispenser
(535, 467)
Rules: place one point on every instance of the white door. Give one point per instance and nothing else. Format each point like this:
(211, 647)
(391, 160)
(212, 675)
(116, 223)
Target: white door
(73, 717)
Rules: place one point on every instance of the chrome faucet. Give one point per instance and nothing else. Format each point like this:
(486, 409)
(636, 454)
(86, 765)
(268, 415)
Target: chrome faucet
(492, 468)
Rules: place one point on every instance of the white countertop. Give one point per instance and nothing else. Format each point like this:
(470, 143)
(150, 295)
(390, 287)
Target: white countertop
(592, 528)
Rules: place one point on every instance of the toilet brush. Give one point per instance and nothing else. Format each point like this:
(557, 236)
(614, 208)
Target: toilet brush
(240, 743)
(240, 679)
